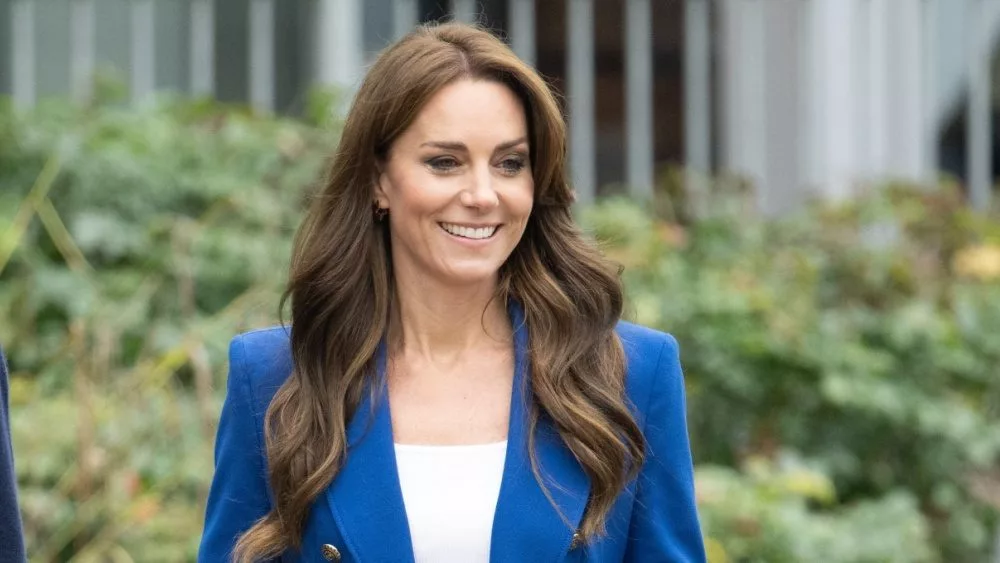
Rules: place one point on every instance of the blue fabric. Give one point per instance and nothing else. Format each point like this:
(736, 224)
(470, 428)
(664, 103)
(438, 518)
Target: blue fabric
(11, 538)
(362, 512)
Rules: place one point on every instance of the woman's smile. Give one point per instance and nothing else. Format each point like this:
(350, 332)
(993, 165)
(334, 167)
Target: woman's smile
(470, 232)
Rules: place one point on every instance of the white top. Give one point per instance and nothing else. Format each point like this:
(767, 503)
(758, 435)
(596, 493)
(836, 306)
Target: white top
(450, 494)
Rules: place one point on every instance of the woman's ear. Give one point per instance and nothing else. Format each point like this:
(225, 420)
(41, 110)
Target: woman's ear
(380, 183)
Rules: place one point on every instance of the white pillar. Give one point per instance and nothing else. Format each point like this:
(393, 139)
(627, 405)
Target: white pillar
(23, 54)
(744, 104)
(339, 45)
(261, 59)
(465, 11)
(143, 55)
(81, 49)
(202, 54)
(639, 148)
(580, 94)
(930, 89)
(522, 29)
(873, 144)
(781, 189)
(404, 17)
(697, 93)
(979, 119)
(831, 96)
(905, 78)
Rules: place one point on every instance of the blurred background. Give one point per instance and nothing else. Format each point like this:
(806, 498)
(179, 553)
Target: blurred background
(802, 192)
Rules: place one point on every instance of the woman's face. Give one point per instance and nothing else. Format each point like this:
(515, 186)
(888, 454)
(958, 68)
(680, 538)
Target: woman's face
(458, 185)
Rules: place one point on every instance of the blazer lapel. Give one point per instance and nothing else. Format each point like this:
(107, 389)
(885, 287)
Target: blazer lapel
(526, 527)
(365, 497)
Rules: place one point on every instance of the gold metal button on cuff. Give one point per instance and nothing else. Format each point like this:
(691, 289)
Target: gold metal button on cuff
(576, 541)
(330, 552)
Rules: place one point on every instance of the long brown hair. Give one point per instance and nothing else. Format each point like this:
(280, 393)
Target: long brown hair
(340, 288)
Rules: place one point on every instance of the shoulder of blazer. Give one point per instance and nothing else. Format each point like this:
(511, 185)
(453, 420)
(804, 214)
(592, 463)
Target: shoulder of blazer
(648, 353)
(265, 358)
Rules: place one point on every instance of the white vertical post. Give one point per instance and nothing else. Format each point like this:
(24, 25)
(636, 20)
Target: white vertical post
(639, 148)
(906, 87)
(929, 86)
(522, 29)
(143, 55)
(781, 190)
(978, 118)
(465, 11)
(202, 55)
(831, 96)
(404, 16)
(580, 94)
(23, 54)
(339, 48)
(261, 58)
(744, 107)
(753, 108)
(875, 62)
(697, 92)
(81, 49)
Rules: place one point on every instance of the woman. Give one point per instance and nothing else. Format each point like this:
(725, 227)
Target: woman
(439, 272)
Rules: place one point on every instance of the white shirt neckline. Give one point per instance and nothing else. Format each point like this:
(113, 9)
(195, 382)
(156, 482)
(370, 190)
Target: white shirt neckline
(450, 494)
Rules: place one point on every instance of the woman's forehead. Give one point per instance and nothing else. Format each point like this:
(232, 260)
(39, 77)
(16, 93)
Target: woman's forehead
(469, 109)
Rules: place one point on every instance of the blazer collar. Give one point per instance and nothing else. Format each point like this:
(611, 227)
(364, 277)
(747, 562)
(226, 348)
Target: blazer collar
(367, 503)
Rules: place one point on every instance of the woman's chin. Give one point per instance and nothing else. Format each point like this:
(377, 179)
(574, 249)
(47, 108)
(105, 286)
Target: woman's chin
(471, 274)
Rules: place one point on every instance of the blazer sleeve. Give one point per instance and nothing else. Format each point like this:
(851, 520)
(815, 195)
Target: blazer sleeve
(238, 496)
(664, 525)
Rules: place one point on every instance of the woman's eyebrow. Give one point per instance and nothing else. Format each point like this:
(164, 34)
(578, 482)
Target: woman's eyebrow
(460, 146)
(447, 145)
(511, 144)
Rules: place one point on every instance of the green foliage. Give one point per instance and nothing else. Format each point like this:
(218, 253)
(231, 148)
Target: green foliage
(768, 515)
(843, 394)
(861, 337)
(133, 245)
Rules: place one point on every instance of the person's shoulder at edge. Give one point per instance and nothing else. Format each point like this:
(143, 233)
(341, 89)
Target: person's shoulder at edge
(266, 361)
(10, 517)
(649, 353)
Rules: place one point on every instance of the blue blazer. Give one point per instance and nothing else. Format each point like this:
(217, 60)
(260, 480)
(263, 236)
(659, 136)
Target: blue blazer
(361, 514)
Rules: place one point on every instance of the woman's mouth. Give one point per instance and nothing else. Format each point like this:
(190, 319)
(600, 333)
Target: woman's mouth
(472, 233)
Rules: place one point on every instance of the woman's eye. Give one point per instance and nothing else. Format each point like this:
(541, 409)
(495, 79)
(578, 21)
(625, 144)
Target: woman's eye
(443, 164)
(512, 165)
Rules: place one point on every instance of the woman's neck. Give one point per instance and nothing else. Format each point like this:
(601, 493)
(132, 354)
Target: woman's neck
(441, 325)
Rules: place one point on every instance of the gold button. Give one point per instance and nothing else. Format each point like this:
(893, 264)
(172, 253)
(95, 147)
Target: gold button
(330, 552)
(577, 539)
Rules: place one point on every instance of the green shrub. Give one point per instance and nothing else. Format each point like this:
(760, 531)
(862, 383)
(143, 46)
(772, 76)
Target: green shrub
(133, 245)
(863, 337)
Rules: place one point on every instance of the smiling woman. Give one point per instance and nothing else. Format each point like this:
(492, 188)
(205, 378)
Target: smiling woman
(458, 186)
(457, 384)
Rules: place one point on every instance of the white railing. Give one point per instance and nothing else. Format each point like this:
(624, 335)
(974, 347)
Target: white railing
(338, 59)
(822, 96)
(811, 96)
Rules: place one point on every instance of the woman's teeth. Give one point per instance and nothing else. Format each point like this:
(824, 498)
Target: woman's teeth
(469, 232)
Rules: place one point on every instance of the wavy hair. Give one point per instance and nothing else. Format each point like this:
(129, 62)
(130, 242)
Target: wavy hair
(340, 288)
